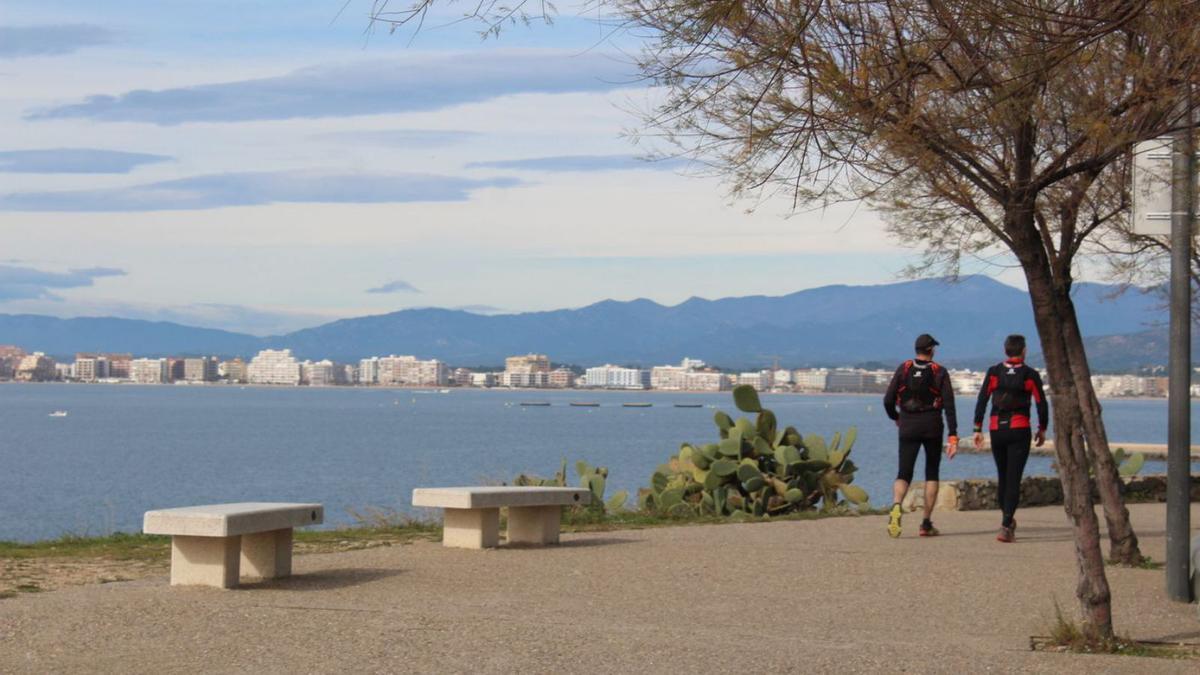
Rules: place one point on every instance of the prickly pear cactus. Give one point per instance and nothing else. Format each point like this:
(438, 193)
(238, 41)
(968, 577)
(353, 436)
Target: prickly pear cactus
(594, 478)
(755, 469)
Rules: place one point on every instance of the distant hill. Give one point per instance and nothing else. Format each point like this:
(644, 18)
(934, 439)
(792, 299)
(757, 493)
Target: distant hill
(830, 326)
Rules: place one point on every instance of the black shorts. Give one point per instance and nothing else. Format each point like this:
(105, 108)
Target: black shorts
(909, 447)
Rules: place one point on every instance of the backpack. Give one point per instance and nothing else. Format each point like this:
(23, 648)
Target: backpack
(918, 391)
(1010, 393)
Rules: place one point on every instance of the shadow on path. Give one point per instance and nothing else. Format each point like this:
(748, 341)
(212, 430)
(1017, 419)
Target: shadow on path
(344, 577)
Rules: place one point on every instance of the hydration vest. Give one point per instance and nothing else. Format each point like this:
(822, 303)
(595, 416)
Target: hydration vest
(918, 391)
(1011, 394)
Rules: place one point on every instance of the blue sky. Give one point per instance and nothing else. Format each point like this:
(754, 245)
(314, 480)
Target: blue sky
(265, 166)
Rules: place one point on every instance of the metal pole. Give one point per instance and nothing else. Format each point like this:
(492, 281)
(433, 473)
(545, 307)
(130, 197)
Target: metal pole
(1179, 442)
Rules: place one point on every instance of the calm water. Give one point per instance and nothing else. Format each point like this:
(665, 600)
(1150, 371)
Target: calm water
(126, 449)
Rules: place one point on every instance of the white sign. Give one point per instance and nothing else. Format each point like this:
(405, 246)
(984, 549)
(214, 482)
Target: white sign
(1152, 186)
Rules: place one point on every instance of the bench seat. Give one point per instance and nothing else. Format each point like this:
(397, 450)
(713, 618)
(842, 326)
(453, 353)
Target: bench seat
(472, 514)
(212, 545)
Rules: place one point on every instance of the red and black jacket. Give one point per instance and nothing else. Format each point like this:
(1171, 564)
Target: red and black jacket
(922, 421)
(1013, 388)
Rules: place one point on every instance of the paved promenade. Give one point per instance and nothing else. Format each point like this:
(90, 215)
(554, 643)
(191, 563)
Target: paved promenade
(812, 596)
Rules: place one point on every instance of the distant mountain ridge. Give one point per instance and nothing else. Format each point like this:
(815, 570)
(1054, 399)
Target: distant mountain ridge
(826, 326)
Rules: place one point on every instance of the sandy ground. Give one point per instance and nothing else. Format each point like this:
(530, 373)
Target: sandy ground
(775, 597)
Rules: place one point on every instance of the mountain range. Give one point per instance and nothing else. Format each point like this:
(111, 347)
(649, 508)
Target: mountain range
(826, 326)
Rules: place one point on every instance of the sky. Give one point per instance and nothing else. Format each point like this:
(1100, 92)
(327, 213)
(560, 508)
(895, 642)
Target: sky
(262, 167)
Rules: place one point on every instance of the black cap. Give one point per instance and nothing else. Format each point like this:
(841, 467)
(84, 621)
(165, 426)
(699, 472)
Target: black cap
(925, 342)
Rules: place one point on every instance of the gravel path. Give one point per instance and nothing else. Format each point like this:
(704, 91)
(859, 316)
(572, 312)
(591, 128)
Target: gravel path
(773, 597)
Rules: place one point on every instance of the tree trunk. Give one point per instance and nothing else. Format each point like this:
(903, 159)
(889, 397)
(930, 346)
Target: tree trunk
(1123, 542)
(1095, 600)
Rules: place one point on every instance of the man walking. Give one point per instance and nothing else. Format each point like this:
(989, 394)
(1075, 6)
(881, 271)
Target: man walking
(1012, 386)
(921, 389)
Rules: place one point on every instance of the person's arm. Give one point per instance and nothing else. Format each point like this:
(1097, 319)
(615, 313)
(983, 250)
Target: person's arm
(946, 387)
(1043, 407)
(985, 392)
(889, 398)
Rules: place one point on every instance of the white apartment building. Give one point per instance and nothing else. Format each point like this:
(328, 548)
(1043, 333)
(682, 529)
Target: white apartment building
(760, 380)
(615, 377)
(274, 366)
(319, 374)
(524, 380)
(368, 371)
(810, 379)
(781, 378)
(413, 372)
(671, 378)
(199, 370)
(149, 371)
(87, 368)
(483, 379)
(966, 382)
(706, 381)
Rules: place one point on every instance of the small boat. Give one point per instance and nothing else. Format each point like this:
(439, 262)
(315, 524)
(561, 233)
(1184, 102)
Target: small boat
(536, 404)
(585, 404)
(636, 405)
(58, 413)
(443, 391)
(689, 405)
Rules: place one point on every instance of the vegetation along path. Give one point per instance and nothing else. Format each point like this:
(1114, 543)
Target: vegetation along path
(834, 593)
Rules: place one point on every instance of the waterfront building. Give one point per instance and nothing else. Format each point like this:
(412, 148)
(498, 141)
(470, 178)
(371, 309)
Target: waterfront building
(62, 371)
(87, 367)
(781, 378)
(461, 377)
(274, 366)
(846, 380)
(609, 376)
(410, 371)
(560, 378)
(346, 374)
(118, 365)
(35, 367)
(149, 371)
(760, 380)
(175, 369)
(199, 370)
(319, 374)
(706, 380)
(529, 363)
(525, 380)
(233, 370)
(483, 379)
(810, 379)
(692, 364)
(368, 371)
(669, 378)
(966, 382)
(10, 356)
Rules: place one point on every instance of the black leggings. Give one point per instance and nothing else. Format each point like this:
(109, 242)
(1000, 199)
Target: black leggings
(1010, 449)
(908, 457)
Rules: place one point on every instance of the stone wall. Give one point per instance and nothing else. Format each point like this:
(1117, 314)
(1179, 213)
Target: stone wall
(979, 494)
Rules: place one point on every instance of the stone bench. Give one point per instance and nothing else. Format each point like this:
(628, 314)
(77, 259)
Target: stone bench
(212, 545)
(472, 514)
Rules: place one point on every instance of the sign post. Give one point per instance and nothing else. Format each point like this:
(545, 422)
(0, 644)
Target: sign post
(1164, 196)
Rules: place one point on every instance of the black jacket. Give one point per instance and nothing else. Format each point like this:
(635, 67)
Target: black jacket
(924, 424)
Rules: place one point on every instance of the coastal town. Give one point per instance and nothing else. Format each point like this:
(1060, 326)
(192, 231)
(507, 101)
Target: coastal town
(280, 367)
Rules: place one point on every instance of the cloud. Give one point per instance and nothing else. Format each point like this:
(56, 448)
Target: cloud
(74, 160)
(50, 40)
(250, 189)
(580, 163)
(28, 283)
(364, 88)
(396, 286)
(402, 138)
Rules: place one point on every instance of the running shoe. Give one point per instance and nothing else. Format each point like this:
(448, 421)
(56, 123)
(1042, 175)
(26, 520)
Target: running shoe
(1006, 535)
(894, 521)
(928, 530)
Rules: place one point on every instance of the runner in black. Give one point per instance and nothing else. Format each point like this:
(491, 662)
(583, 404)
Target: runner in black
(921, 388)
(1012, 388)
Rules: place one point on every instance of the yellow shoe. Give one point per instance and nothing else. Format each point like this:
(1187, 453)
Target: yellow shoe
(894, 521)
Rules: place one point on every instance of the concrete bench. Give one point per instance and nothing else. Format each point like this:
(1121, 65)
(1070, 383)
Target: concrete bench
(212, 545)
(472, 518)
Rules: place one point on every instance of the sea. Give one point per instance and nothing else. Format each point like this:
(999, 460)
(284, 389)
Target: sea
(124, 449)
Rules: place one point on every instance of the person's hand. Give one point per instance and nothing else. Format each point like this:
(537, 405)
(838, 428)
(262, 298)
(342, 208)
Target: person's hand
(978, 441)
(1039, 439)
(952, 447)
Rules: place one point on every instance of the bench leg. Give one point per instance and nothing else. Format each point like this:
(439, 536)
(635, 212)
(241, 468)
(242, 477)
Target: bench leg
(471, 528)
(534, 524)
(267, 555)
(205, 561)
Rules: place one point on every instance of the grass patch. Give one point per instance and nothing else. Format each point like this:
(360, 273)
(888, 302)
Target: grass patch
(374, 527)
(119, 546)
(4, 595)
(1147, 563)
(1066, 635)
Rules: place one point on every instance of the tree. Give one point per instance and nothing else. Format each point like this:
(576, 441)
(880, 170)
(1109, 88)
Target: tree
(972, 124)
